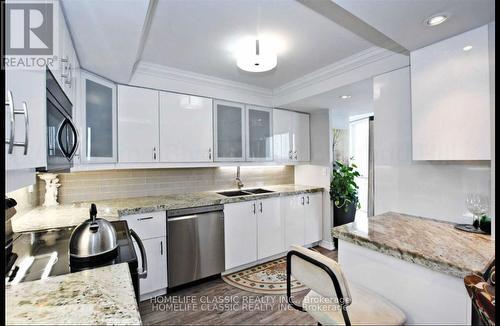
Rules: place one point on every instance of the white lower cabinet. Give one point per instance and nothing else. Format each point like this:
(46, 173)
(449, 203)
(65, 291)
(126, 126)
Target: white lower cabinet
(270, 232)
(293, 218)
(240, 233)
(259, 229)
(156, 254)
(303, 219)
(313, 215)
(152, 230)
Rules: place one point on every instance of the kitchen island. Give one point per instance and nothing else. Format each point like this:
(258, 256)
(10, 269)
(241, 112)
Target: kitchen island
(415, 262)
(100, 296)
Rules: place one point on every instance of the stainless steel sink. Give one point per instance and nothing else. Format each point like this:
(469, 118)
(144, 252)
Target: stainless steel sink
(245, 192)
(234, 193)
(258, 191)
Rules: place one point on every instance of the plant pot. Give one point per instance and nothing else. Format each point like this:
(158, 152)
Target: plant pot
(342, 216)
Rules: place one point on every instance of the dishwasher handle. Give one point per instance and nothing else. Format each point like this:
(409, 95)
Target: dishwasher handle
(179, 218)
(144, 273)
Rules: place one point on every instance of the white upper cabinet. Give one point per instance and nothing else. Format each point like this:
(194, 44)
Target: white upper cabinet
(291, 136)
(259, 137)
(138, 135)
(65, 67)
(301, 137)
(25, 119)
(98, 119)
(450, 96)
(186, 128)
(282, 135)
(229, 131)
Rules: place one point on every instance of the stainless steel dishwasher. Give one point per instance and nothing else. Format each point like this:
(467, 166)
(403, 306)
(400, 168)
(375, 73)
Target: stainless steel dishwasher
(195, 243)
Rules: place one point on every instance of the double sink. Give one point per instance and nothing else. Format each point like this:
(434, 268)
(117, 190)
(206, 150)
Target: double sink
(246, 192)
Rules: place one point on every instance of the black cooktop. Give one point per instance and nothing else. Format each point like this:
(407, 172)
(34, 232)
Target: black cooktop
(46, 253)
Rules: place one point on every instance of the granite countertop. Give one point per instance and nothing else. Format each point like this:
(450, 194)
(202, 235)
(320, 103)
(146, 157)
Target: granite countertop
(434, 244)
(100, 296)
(41, 218)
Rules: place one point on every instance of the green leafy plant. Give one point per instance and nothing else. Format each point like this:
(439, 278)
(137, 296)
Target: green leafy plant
(343, 188)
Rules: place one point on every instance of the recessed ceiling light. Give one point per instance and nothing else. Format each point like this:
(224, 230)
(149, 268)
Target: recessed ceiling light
(436, 20)
(345, 97)
(467, 48)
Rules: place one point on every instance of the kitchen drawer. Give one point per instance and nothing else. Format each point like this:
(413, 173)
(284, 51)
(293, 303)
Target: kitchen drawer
(148, 225)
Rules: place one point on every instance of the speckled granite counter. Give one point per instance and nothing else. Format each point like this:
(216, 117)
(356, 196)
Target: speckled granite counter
(101, 296)
(69, 215)
(434, 244)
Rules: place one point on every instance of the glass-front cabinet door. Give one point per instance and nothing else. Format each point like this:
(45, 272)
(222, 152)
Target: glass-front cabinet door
(229, 131)
(259, 134)
(98, 129)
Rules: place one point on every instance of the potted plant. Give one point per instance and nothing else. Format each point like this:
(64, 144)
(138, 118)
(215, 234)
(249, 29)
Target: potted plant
(344, 192)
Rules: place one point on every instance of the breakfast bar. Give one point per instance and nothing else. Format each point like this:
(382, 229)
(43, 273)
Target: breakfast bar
(417, 262)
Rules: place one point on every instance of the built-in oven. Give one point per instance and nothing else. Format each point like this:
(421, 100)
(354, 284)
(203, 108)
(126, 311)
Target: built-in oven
(62, 135)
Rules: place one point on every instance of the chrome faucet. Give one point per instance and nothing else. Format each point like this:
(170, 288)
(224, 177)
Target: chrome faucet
(238, 179)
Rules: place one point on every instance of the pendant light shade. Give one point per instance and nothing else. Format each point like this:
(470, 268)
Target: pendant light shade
(257, 58)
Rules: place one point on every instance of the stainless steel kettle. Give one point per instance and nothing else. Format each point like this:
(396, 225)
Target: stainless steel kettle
(93, 238)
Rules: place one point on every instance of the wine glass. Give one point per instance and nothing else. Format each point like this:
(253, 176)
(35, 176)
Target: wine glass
(478, 205)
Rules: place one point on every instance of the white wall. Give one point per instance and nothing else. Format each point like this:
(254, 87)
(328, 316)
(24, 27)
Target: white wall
(429, 189)
(320, 137)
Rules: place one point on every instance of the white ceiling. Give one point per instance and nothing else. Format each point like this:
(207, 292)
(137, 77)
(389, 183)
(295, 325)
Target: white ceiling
(200, 35)
(106, 34)
(360, 102)
(402, 20)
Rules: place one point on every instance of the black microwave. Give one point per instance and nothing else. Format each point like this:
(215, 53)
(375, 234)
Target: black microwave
(62, 135)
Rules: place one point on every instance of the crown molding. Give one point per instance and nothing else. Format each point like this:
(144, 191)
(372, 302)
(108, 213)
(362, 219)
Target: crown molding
(343, 66)
(196, 79)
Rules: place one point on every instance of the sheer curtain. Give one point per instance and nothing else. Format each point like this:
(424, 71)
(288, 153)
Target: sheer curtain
(359, 154)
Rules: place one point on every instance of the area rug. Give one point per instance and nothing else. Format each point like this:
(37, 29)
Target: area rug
(267, 278)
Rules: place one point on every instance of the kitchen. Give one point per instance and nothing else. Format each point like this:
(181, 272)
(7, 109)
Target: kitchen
(168, 156)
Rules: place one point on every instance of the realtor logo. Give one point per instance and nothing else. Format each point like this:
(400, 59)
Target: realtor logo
(29, 29)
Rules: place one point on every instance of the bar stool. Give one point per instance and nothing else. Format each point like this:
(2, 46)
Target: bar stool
(331, 300)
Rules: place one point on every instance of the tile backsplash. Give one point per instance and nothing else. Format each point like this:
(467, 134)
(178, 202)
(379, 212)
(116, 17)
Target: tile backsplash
(96, 185)
(27, 198)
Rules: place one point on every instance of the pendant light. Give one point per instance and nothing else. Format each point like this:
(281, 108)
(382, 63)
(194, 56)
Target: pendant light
(257, 55)
(258, 60)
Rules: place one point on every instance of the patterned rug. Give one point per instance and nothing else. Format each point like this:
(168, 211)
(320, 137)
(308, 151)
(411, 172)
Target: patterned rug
(267, 278)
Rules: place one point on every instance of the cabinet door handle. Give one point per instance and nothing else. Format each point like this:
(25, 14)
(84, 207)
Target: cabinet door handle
(64, 68)
(144, 273)
(307, 200)
(295, 154)
(261, 207)
(145, 218)
(254, 209)
(154, 153)
(290, 155)
(12, 121)
(69, 76)
(161, 248)
(9, 102)
(302, 200)
(209, 153)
